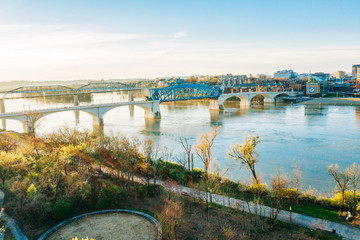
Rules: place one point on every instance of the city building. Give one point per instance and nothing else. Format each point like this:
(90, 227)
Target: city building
(339, 74)
(313, 87)
(230, 80)
(356, 71)
(285, 74)
(260, 76)
(321, 75)
(303, 76)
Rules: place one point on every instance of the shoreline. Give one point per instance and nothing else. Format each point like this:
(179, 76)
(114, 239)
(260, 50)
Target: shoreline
(333, 101)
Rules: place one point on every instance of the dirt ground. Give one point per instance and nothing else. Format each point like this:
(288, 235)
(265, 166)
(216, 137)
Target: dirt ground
(108, 226)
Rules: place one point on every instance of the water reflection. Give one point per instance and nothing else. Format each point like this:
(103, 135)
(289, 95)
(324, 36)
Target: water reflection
(152, 126)
(306, 134)
(131, 110)
(357, 114)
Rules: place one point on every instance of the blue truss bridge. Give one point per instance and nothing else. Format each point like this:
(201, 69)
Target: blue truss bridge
(154, 97)
(185, 92)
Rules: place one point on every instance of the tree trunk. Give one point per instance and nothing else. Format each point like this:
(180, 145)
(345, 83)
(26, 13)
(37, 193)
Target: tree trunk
(255, 177)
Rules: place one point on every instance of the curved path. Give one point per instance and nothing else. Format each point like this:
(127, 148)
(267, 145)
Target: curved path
(342, 230)
(15, 229)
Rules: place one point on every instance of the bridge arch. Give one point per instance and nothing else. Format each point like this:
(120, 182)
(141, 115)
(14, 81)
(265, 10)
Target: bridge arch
(244, 101)
(267, 98)
(151, 110)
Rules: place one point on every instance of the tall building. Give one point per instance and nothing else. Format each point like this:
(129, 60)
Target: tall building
(284, 74)
(356, 71)
(339, 74)
(230, 80)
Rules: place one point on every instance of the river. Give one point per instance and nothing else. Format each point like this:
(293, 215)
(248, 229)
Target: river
(311, 136)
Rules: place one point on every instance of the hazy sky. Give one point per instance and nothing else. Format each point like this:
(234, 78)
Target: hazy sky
(89, 39)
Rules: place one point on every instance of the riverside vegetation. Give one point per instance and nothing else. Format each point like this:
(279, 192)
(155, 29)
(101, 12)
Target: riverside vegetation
(52, 178)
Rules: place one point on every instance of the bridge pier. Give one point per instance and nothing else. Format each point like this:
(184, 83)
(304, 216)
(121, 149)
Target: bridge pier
(152, 109)
(2, 110)
(245, 102)
(76, 100)
(2, 105)
(215, 105)
(98, 125)
(152, 115)
(269, 100)
(28, 127)
(131, 96)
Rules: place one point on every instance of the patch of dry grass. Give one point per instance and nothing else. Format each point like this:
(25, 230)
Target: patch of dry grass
(108, 226)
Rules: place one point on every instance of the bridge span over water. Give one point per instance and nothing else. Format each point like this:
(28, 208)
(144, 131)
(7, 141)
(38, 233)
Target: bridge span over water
(151, 106)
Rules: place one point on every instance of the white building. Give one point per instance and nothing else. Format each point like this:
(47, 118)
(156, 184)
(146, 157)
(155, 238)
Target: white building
(285, 74)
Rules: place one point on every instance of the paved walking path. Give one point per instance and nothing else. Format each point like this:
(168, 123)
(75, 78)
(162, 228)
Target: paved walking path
(342, 230)
(15, 229)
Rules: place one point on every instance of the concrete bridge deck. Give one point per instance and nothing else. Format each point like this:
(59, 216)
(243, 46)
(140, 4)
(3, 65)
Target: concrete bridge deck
(152, 108)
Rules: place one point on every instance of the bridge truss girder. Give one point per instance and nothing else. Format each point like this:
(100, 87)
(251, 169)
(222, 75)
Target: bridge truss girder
(186, 92)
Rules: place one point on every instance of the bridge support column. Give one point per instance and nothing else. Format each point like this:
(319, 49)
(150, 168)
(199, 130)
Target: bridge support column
(152, 115)
(131, 96)
(245, 102)
(3, 124)
(216, 105)
(28, 128)
(98, 125)
(76, 100)
(153, 111)
(2, 110)
(2, 106)
(269, 100)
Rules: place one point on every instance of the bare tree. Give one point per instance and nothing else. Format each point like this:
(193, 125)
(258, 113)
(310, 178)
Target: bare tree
(171, 215)
(354, 175)
(246, 154)
(342, 179)
(187, 147)
(298, 179)
(279, 186)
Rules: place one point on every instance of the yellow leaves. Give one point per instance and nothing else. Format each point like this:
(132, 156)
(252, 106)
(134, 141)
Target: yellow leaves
(246, 154)
(203, 149)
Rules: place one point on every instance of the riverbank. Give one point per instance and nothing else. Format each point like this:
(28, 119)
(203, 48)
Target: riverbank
(333, 101)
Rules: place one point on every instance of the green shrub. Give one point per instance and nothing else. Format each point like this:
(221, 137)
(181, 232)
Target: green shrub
(349, 199)
(197, 174)
(61, 210)
(291, 194)
(259, 189)
(151, 190)
(308, 198)
(31, 192)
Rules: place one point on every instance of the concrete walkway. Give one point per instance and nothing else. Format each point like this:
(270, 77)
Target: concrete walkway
(15, 229)
(342, 230)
